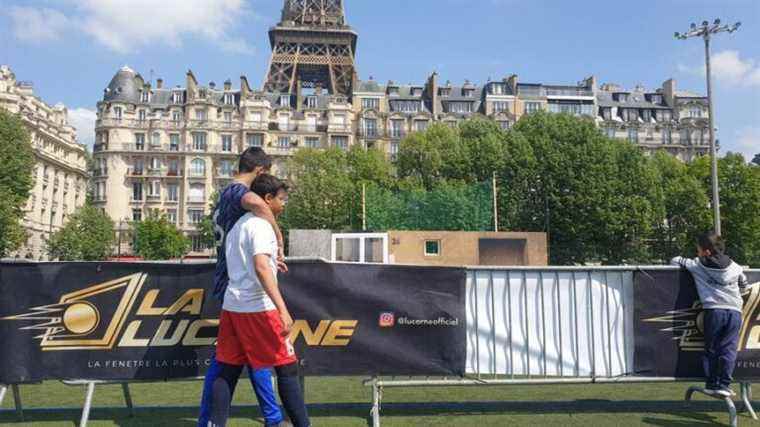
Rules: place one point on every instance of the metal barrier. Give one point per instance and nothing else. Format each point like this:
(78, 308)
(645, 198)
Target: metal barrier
(548, 325)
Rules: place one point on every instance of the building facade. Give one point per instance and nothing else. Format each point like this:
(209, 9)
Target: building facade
(60, 170)
(169, 149)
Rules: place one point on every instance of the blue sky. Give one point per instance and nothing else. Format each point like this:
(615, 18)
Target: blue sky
(70, 49)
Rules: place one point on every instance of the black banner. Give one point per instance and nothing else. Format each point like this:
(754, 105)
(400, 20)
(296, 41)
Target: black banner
(668, 326)
(116, 321)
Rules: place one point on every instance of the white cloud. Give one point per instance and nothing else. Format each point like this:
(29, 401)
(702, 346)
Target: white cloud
(125, 26)
(730, 68)
(38, 25)
(84, 121)
(748, 141)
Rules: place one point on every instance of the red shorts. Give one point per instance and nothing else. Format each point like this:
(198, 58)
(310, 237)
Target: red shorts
(253, 339)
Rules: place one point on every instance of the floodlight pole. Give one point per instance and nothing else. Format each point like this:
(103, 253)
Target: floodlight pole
(705, 31)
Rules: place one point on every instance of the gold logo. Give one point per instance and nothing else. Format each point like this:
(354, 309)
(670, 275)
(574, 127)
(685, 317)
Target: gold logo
(88, 319)
(687, 325)
(76, 323)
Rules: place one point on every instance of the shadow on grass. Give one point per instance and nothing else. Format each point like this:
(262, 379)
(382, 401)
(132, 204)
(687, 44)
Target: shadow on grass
(693, 413)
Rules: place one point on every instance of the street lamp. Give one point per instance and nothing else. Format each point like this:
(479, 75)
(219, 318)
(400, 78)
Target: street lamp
(706, 31)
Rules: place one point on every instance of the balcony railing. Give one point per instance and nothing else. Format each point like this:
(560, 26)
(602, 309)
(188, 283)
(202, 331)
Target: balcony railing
(568, 92)
(397, 133)
(195, 200)
(339, 128)
(283, 127)
(255, 125)
(369, 133)
(154, 197)
(135, 172)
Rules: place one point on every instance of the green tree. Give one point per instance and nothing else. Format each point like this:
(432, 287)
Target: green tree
(322, 190)
(686, 208)
(739, 203)
(206, 226)
(597, 198)
(87, 236)
(16, 181)
(421, 156)
(158, 239)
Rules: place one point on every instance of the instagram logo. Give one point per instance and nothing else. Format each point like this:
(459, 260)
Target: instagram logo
(387, 320)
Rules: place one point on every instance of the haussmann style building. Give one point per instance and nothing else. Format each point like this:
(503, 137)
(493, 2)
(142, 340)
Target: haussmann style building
(168, 148)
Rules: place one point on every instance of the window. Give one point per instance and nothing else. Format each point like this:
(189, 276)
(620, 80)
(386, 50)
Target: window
(610, 132)
(139, 141)
(504, 124)
(137, 191)
(174, 142)
(468, 92)
(392, 90)
(573, 108)
(460, 107)
(532, 107)
(173, 167)
(229, 99)
(312, 142)
(695, 112)
(176, 116)
(227, 117)
(197, 193)
(226, 143)
(117, 113)
(370, 103)
(432, 247)
(136, 215)
(420, 125)
(283, 121)
(394, 148)
(444, 91)
(176, 97)
(408, 106)
(200, 114)
(284, 100)
(500, 106)
(199, 141)
(155, 139)
(656, 99)
(283, 141)
(154, 189)
(171, 216)
(202, 93)
(255, 140)
(498, 89)
(141, 115)
(155, 163)
(607, 113)
(702, 135)
(198, 167)
(256, 117)
(633, 135)
(311, 123)
(138, 166)
(340, 141)
(172, 192)
(685, 137)
(197, 243)
(622, 97)
(145, 96)
(311, 102)
(370, 128)
(666, 136)
(646, 115)
(397, 128)
(195, 216)
(226, 168)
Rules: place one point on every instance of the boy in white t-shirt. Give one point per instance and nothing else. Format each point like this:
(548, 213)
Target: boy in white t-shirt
(255, 322)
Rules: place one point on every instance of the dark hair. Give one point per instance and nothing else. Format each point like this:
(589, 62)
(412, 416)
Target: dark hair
(712, 242)
(252, 158)
(268, 184)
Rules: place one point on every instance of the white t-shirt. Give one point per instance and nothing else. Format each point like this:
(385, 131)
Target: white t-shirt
(250, 236)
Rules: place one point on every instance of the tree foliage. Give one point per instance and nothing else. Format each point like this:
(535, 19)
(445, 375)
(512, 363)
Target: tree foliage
(600, 200)
(87, 236)
(155, 238)
(16, 180)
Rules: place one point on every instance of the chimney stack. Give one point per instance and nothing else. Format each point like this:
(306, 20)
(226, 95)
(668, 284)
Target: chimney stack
(159, 83)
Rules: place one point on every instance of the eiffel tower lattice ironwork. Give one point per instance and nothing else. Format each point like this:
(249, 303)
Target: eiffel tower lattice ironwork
(312, 47)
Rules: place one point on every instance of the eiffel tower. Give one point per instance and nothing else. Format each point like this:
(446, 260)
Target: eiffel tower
(312, 47)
